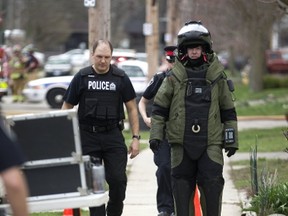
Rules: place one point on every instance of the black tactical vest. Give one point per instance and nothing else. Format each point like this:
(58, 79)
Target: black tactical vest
(101, 103)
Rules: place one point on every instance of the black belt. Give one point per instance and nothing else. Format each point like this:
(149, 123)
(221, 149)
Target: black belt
(98, 129)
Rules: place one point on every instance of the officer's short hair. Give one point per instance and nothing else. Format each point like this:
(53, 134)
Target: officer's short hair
(101, 41)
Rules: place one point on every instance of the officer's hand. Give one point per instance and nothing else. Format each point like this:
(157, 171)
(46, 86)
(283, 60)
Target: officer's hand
(230, 151)
(154, 145)
(134, 149)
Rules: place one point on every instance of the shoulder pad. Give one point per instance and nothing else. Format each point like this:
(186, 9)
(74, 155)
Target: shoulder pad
(117, 71)
(220, 76)
(86, 71)
(161, 74)
(171, 75)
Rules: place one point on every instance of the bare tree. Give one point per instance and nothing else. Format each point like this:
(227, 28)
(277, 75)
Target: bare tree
(48, 24)
(257, 18)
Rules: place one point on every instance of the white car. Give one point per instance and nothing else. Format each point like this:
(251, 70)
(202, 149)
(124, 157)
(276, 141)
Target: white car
(52, 89)
(58, 66)
(67, 63)
(142, 56)
(120, 55)
(137, 71)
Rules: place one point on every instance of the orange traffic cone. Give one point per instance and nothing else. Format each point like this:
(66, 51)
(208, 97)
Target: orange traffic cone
(197, 205)
(72, 212)
(68, 212)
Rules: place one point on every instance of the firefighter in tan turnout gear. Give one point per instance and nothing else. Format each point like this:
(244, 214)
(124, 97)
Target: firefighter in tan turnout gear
(18, 76)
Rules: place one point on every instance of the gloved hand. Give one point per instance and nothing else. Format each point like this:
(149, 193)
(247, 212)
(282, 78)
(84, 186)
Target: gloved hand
(231, 151)
(154, 145)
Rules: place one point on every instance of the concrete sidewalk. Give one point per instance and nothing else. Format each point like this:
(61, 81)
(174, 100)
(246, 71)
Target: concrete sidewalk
(141, 189)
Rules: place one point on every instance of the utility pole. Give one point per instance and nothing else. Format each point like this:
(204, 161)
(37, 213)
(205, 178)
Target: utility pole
(99, 21)
(151, 31)
(173, 21)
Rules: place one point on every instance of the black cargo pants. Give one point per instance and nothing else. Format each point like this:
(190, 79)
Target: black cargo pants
(110, 147)
(162, 159)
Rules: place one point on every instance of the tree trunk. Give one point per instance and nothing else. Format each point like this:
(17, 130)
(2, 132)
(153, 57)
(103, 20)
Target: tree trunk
(256, 73)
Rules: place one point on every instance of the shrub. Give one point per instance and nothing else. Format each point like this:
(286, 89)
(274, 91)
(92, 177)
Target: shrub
(270, 199)
(270, 81)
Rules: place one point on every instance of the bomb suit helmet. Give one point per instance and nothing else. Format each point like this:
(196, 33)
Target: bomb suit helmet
(194, 33)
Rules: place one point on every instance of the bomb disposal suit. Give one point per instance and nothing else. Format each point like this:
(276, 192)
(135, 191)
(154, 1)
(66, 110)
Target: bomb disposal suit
(196, 105)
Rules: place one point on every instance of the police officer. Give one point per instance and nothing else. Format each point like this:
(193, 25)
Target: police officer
(165, 203)
(195, 103)
(100, 90)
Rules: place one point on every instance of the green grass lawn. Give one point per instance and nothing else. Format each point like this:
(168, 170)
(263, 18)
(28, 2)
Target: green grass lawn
(266, 102)
(267, 140)
(241, 171)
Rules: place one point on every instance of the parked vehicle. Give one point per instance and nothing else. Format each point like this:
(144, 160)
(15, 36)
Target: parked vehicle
(142, 56)
(277, 60)
(78, 57)
(137, 71)
(120, 55)
(67, 63)
(51, 89)
(58, 66)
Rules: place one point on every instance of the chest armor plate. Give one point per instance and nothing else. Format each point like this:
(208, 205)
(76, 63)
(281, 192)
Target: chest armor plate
(197, 104)
(101, 101)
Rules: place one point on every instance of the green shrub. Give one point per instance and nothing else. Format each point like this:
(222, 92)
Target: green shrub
(270, 199)
(270, 81)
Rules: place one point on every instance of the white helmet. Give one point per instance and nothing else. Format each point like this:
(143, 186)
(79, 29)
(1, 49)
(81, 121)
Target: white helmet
(194, 33)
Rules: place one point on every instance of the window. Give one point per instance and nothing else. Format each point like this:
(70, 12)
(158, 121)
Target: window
(133, 71)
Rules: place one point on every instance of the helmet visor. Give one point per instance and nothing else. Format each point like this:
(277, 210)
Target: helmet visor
(194, 28)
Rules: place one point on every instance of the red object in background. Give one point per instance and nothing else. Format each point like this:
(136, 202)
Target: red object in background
(2, 52)
(277, 61)
(120, 59)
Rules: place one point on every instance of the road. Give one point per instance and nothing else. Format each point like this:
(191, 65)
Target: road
(10, 108)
